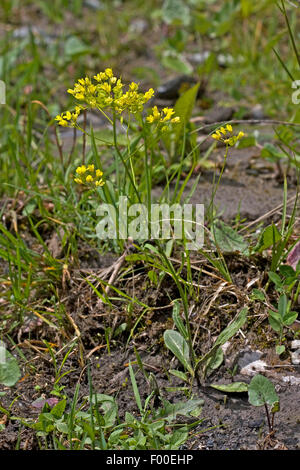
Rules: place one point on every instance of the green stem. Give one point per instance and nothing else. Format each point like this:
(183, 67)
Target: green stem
(218, 182)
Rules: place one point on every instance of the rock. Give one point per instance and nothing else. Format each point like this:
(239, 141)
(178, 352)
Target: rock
(219, 114)
(290, 379)
(295, 344)
(254, 368)
(173, 88)
(138, 26)
(225, 346)
(256, 112)
(93, 4)
(256, 424)
(210, 443)
(247, 356)
(295, 357)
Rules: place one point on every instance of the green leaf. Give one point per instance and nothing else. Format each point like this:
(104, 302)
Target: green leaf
(176, 12)
(9, 369)
(235, 387)
(267, 238)
(185, 408)
(108, 405)
(276, 407)
(177, 63)
(233, 327)
(280, 349)
(179, 347)
(282, 305)
(275, 321)
(178, 321)
(257, 294)
(226, 334)
(275, 278)
(261, 391)
(183, 108)
(75, 47)
(271, 153)
(216, 360)
(58, 410)
(289, 318)
(245, 142)
(228, 239)
(178, 373)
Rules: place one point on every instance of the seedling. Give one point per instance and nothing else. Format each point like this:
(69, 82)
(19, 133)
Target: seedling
(261, 392)
(281, 318)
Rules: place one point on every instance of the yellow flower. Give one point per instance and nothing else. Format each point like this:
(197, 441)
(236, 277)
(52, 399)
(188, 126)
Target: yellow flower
(61, 121)
(81, 170)
(222, 135)
(90, 175)
(148, 95)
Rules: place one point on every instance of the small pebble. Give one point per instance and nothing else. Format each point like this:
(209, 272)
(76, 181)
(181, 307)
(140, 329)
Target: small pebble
(210, 443)
(295, 344)
(255, 424)
(295, 357)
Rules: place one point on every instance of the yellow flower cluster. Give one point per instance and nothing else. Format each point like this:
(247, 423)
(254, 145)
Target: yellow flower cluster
(224, 134)
(68, 119)
(162, 117)
(88, 174)
(105, 92)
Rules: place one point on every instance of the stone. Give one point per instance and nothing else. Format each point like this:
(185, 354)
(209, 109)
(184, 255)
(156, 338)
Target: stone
(295, 357)
(254, 368)
(291, 379)
(295, 344)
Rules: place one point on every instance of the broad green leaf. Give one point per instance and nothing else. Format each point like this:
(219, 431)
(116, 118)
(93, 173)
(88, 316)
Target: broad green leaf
(176, 12)
(235, 387)
(178, 373)
(257, 294)
(177, 63)
(289, 318)
(108, 405)
(9, 370)
(267, 238)
(183, 108)
(226, 334)
(233, 327)
(185, 408)
(261, 391)
(179, 347)
(228, 239)
(178, 321)
(271, 153)
(275, 321)
(280, 349)
(58, 410)
(275, 278)
(216, 360)
(75, 47)
(282, 305)
(249, 141)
